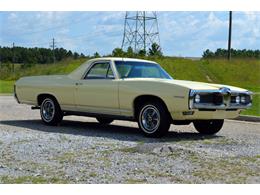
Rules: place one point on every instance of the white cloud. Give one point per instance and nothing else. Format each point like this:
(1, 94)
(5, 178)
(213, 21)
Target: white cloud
(185, 33)
(191, 33)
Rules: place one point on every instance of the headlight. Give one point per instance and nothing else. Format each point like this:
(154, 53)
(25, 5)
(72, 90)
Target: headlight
(243, 99)
(238, 99)
(197, 98)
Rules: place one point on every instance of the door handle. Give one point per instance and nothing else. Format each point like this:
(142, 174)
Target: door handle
(79, 83)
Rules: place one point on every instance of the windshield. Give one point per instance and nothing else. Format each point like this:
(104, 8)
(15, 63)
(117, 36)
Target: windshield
(132, 69)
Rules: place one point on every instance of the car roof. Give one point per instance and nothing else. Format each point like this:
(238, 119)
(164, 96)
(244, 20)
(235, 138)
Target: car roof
(122, 59)
(77, 73)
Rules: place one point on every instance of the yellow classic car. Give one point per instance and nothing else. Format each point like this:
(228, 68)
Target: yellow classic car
(134, 90)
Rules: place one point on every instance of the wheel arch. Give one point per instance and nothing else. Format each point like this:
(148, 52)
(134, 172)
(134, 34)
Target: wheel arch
(40, 97)
(141, 99)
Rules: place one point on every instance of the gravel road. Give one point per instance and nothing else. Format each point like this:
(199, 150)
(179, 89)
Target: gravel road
(82, 151)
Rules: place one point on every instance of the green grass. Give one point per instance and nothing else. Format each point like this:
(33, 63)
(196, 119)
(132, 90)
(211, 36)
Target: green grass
(255, 110)
(244, 73)
(7, 80)
(185, 69)
(62, 67)
(6, 86)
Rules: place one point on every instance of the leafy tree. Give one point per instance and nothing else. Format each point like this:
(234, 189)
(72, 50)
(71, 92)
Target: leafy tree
(34, 55)
(69, 53)
(82, 55)
(96, 55)
(118, 52)
(130, 52)
(60, 53)
(207, 54)
(237, 53)
(142, 53)
(155, 50)
(75, 55)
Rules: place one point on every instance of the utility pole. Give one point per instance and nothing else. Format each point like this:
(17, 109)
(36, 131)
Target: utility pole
(13, 58)
(53, 46)
(144, 32)
(229, 35)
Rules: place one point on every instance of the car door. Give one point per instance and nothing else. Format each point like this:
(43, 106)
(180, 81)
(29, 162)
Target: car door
(97, 92)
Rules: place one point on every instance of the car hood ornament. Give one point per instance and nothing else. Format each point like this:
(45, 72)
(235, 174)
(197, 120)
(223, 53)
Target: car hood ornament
(225, 90)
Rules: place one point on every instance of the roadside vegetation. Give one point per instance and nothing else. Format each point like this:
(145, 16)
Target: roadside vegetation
(241, 72)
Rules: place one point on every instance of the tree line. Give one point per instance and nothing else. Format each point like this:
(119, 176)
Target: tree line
(236, 53)
(23, 55)
(29, 56)
(154, 51)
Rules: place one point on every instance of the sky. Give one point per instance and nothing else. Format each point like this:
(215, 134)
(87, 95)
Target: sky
(185, 34)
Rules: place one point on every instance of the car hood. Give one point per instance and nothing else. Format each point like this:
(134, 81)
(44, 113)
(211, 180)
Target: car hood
(202, 86)
(194, 85)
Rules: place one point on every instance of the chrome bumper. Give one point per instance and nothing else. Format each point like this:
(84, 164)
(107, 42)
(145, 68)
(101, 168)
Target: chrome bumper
(226, 103)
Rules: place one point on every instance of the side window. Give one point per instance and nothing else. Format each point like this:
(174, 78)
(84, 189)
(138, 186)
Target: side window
(110, 74)
(100, 71)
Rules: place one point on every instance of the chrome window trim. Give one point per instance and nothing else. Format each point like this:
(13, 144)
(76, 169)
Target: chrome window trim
(119, 77)
(93, 64)
(226, 105)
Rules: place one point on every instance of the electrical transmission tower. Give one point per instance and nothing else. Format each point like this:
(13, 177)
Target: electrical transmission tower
(140, 30)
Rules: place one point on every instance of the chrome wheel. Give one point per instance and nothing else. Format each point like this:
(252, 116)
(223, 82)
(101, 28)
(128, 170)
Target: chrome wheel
(149, 119)
(48, 110)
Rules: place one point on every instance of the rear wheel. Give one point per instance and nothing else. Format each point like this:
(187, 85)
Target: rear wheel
(104, 121)
(50, 111)
(153, 119)
(208, 127)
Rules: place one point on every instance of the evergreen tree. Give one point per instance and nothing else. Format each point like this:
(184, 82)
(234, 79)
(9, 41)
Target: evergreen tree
(96, 55)
(130, 52)
(155, 50)
(142, 53)
(118, 52)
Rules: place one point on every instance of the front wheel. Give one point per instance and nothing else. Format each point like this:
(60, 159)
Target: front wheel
(153, 119)
(208, 127)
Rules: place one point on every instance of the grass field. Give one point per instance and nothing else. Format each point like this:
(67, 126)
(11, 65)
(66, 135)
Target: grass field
(255, 110)
(63, 67)
(243, 73)
(6, 86)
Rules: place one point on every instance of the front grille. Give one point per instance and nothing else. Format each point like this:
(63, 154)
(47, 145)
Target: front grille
(215, 98)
